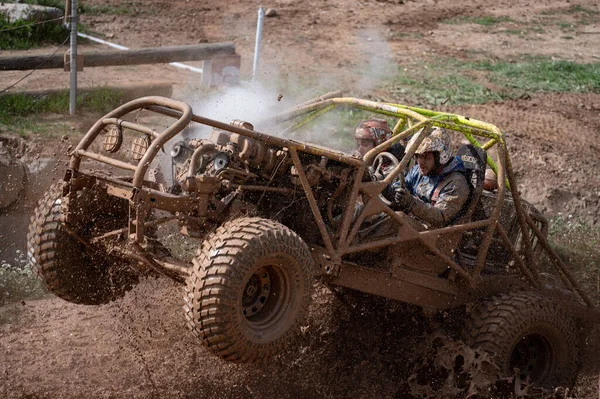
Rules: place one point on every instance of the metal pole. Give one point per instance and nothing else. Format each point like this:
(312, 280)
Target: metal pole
(259, 27)
(73, 59)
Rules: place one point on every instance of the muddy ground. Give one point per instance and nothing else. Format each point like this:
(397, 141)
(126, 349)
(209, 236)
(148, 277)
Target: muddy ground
(138, 347)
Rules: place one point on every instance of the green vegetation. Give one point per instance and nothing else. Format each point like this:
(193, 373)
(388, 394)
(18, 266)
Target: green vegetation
(514, 31)
(575, 9)
(25, 37)
(576, 15)
(442, 80)
(567, 19)
(544, 75)
(524, 31)
(485, 20)
(431, 87)
(32, 126)
(22, 37)
(18, 112)
(582, 10)
(18, 105)
(463, 82)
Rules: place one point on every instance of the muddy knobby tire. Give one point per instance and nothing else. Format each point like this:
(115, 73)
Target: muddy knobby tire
(63, 264)
(530, 332)
(250, 289)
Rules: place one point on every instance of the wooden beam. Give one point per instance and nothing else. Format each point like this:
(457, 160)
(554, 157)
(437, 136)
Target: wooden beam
(150, 55)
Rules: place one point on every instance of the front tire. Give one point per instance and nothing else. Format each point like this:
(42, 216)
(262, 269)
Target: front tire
(62, 263)
(250, 289)
(528, 332)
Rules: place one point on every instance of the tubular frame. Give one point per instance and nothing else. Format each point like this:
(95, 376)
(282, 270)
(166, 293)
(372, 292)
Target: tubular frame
(415, 121)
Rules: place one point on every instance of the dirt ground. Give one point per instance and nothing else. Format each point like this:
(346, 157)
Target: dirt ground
(138, 347)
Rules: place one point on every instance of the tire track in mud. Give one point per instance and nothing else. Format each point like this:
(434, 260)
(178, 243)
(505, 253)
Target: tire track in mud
(364, 347)
(130, 334)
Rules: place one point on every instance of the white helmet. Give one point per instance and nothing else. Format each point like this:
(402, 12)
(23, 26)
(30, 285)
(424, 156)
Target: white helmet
(436, 141)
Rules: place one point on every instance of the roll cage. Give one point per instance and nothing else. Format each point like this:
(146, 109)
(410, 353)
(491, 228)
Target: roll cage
(418, 121)
(410, 121)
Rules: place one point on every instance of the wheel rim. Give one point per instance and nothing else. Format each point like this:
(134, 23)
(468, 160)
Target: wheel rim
(266, 297)
(533, 356)
(256, 293)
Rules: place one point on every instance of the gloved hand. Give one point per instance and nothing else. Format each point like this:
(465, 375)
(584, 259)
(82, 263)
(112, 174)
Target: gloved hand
(375, 175)
(403, 200)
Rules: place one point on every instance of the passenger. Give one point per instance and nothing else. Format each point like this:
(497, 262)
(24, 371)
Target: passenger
(436, 188)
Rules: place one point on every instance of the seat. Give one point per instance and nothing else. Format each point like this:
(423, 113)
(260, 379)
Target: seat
(475, 160)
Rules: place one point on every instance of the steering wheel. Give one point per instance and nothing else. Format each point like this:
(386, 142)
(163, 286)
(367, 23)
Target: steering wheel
(378, 161)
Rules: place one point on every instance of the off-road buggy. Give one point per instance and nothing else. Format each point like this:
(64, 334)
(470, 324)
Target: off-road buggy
(275, 213)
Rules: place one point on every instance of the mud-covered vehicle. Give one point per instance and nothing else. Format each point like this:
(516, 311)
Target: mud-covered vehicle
(274, 213)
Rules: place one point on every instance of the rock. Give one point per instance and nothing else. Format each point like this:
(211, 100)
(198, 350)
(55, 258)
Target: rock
(271, 12)
(27, 12)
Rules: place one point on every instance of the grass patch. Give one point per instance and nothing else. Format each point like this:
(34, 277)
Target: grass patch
(525, 32)
(582, 10)
(433, 82)
(544, 75)
(484, 20)
(34, 126)
(19, 112)
(572, 10)
(433, 88)
(26, 37)
(515, 31)
(19, 105)
(575, 15)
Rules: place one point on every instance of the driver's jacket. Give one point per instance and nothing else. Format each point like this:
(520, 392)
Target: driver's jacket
(439, 198)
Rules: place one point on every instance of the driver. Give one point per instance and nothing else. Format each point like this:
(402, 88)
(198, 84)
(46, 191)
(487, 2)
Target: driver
(436, 187)
(368, 135)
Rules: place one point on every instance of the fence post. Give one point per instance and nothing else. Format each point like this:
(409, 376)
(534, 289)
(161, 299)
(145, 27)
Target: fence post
(206, 73)
(259, 28)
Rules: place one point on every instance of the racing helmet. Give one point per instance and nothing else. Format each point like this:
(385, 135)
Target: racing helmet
(373, 129)
(436, 141)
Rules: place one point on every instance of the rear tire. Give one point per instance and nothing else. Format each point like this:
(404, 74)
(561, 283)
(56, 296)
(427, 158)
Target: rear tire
(530, 332)
(250, 289)
(63, 264)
